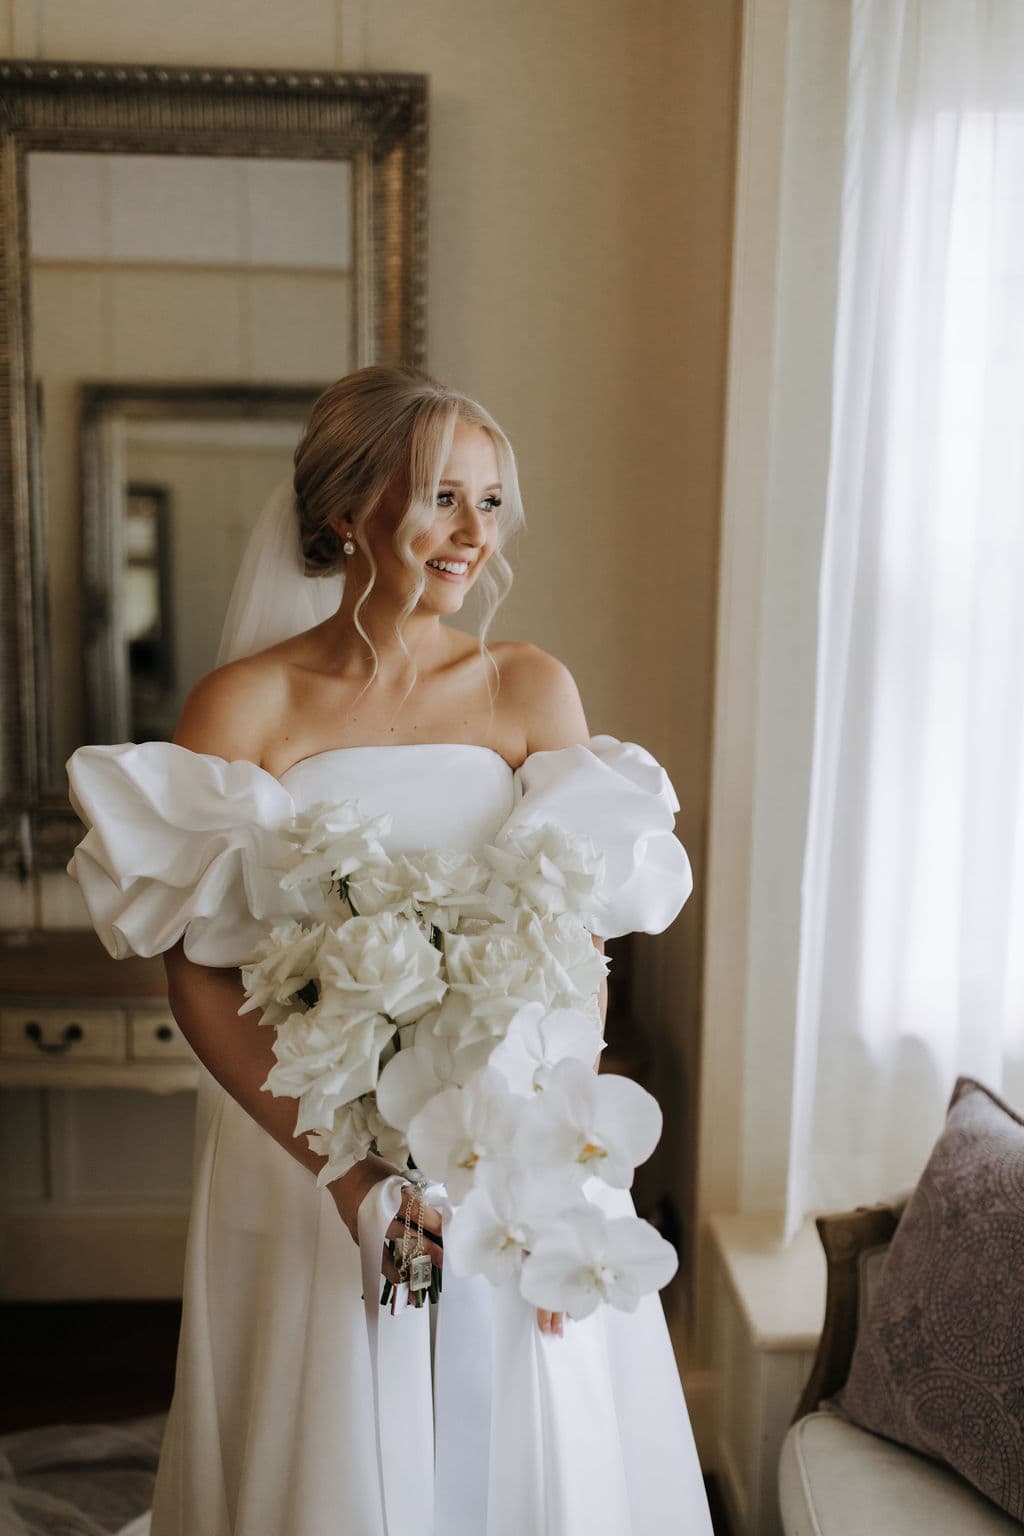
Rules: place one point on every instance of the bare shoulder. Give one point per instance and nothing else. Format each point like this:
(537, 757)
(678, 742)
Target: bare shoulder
(230, 713)
(543, 693)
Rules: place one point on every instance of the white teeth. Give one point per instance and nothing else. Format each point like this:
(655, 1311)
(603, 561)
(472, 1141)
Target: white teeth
(456, 567)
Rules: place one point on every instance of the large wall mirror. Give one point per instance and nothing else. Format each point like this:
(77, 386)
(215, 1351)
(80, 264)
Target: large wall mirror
(189, 257)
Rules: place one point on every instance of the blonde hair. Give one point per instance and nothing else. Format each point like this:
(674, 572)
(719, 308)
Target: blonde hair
(385, 426)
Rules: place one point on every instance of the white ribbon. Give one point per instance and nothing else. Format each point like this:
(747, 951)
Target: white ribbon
(463, 1369)
(434, 1469)
(400, 1377)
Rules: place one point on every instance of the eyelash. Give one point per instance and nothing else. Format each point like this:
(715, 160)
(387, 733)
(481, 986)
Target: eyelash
(495, 500)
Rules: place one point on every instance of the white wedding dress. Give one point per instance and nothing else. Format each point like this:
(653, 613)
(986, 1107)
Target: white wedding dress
(272, 1430)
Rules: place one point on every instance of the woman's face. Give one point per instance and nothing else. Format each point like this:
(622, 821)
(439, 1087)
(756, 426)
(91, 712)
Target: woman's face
(464, 532)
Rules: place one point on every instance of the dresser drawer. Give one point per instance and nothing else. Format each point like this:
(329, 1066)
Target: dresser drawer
(153, 1035)
(62, 1034)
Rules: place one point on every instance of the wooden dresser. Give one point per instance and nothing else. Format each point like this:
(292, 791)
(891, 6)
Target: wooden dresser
(97, 1111)
(71, 1017)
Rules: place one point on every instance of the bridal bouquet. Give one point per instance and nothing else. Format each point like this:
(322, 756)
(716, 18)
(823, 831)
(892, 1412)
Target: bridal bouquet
(441, 1010)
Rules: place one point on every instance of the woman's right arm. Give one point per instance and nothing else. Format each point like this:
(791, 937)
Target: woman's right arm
(238, 1052)
(235, 1049)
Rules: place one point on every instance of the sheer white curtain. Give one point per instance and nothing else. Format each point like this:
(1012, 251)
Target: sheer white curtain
(912, 939)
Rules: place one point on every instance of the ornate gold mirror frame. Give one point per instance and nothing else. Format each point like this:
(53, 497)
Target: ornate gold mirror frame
(377, 122)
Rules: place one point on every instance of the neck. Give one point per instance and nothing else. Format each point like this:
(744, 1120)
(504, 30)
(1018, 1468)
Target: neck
(427, 640)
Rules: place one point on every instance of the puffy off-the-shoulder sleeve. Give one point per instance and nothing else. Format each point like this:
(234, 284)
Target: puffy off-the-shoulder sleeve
(619, 796)
(175, 844)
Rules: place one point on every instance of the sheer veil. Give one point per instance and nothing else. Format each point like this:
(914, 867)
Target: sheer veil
(273, 598)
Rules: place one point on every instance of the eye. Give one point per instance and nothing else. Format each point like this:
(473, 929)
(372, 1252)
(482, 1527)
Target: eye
(447, 498)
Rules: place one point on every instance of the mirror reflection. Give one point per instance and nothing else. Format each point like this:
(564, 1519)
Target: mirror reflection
(155, 278)
(173, 479)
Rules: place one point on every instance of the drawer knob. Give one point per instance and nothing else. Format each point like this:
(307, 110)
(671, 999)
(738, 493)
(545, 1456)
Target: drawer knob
(72, 1032)
(165, 1032)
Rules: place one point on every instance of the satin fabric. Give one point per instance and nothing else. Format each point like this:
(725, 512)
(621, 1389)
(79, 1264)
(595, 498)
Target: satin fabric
(272, 1427)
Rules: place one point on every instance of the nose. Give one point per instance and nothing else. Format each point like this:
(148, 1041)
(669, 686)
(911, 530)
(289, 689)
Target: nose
(472, 524)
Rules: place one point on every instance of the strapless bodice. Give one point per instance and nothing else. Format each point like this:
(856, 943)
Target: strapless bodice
(438, 794)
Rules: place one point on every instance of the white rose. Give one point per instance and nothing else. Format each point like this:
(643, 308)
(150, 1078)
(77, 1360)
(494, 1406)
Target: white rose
(548, 869)
(439, 885)
(573, 967)
(491, 975)
(331, 842)
(462, 1022)
(358, 1129)
(449, 886)
(381, 964)
(325, 1059)
(286, 962)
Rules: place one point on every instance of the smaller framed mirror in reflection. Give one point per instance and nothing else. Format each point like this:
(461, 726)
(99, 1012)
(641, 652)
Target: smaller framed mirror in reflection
(173, 477)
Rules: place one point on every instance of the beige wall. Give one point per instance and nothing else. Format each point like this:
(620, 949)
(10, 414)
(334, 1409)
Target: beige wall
(173, 325)
(580, 200)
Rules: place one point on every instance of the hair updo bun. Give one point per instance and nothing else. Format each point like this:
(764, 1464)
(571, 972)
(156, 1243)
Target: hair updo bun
(321, 543)
(360, 439)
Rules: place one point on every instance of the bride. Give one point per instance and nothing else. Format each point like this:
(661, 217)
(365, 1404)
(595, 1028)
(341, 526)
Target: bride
(339, 677)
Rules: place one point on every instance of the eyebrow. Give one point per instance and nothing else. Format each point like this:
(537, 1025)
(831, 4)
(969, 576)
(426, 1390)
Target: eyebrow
(495, 485)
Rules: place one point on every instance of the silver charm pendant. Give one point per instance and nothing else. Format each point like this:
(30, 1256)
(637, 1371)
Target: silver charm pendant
(420, 1272)
(399, 1298)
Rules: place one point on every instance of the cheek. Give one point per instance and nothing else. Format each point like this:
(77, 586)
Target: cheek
(423, 543)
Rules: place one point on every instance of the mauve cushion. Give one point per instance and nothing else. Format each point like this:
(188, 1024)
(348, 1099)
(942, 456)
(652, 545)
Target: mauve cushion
(939, 1364)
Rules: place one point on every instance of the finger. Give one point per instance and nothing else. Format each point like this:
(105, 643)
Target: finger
(401, 1226)
(409, 1211)
(400, 1233)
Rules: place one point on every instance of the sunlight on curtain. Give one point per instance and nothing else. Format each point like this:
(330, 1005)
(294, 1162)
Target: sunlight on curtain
(912, 940)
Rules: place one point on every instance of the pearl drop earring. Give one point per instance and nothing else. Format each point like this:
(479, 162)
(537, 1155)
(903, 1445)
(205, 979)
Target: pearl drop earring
(348, 547)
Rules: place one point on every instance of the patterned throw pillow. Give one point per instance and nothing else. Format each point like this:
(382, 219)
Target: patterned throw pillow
(939, 1365)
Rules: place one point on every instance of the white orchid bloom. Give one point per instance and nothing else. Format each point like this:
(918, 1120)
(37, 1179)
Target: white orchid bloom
(584, 1258)
(460, 1129)
(331, 842)
(325, 1061)
(601, 1124)
(358, 1129)
(426, 1066)
(285, 963)
(547, 868)
(502, 1215)
(381, 964)
(537, 1040)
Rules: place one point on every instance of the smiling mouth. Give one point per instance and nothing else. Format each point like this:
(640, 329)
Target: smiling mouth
(449, 575)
